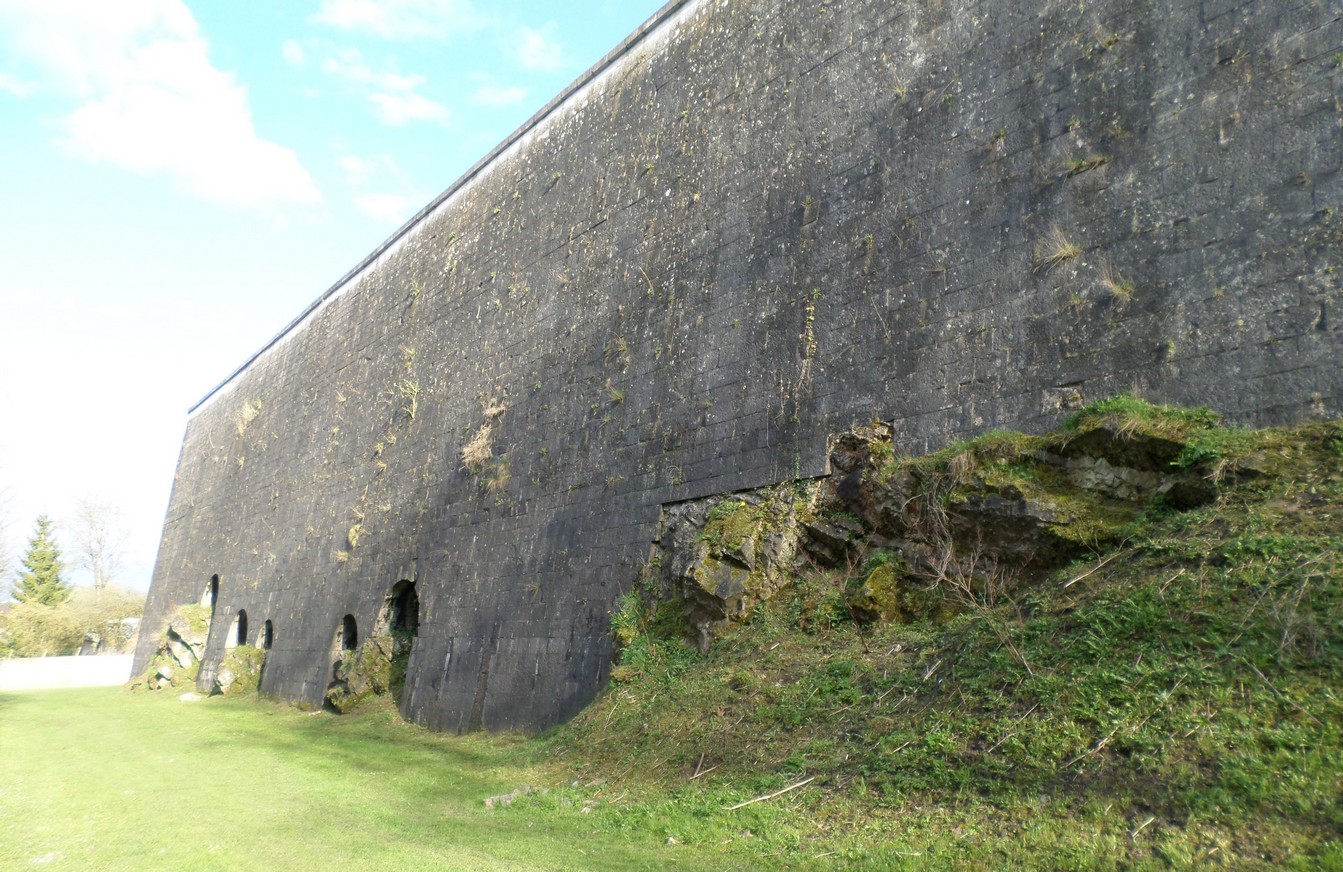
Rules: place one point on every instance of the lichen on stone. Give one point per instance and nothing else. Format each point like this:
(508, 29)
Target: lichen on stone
(362, 674)
(177, 659)
(239, 673)
(724, 556)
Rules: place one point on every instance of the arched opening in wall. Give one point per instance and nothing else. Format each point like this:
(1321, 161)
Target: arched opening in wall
(401, 610)
(267, 637)
(343, 645)
(400, 621)
(209, 600)
(347, 635)
(211, 594)
(237, 634)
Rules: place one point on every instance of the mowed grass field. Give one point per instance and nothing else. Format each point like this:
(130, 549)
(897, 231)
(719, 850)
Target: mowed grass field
(103, 779)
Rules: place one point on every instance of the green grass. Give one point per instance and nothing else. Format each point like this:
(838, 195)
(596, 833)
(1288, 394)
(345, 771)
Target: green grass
(106, 779)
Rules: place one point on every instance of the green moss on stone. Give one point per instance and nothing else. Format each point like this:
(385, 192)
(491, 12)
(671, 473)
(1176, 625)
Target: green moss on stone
(731, 523)
(362, 674)
(877, 596)
(244, 664)
(197, 617)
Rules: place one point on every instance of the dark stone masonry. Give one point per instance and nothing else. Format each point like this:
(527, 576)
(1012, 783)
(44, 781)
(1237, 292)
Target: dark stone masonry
(757, 223)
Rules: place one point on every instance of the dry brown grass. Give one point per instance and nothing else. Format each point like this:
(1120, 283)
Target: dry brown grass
(479, 451)
(245, 415)
(1055, 249)
(1119, 287)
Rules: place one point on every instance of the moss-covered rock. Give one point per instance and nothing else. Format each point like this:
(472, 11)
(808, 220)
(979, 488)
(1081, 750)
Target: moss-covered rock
(239, 673)
(876, 596)
(1005, 502)
(361, 674)
(926, 537)
(722, 557)
(176, 661)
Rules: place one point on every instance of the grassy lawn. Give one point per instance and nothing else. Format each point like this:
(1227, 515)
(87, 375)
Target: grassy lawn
(1170, 700)
(104, 779)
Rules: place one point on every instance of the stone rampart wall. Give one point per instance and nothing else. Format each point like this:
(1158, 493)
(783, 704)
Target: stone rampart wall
(763, 222)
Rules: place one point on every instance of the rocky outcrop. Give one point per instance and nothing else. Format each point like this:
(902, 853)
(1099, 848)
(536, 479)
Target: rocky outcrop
(974, 520)
(176, 661)
(725, 556)
(375, 668)
(239, 673)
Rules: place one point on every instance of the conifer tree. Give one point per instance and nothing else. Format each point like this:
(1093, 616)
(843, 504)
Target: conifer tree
(40, 582)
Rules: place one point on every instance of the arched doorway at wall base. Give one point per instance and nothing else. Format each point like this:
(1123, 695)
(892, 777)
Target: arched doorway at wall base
(400, 622)
(205, 675)
(344, 645)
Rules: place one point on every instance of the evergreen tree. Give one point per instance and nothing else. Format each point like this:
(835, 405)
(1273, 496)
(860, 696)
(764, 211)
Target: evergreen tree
(40, 582)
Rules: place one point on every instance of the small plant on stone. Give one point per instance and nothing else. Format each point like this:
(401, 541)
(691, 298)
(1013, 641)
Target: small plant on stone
(1119, 287)
(245, 415)
(1084, 163)
(478, 452)
(409, 392)
(1054, 250)
(499, 477)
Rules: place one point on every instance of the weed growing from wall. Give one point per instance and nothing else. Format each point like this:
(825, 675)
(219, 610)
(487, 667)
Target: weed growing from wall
(245, 415)
(1055, 249)
(1119, 287)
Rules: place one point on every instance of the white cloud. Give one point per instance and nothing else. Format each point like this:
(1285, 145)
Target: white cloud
(151, 101)
(358, 170)
(400, 109)
(539, 49)
(292, 52)
(391, 208)
(350, 64)
(372, 178)
(401, 19)
(491, 93)
(15, 86)
(392, 94)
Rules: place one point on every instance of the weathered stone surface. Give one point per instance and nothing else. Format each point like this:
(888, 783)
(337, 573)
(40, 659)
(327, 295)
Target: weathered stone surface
(240, 671)
(362, 673)
(174, 657)
(753, 227)
(180, 651)
(724, 556)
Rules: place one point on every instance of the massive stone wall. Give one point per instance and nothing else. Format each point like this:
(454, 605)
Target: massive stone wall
(756, 223)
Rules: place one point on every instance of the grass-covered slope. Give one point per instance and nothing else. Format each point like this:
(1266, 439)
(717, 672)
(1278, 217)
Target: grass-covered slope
(1168, 695)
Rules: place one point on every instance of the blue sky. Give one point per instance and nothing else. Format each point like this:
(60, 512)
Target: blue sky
(182, 178)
